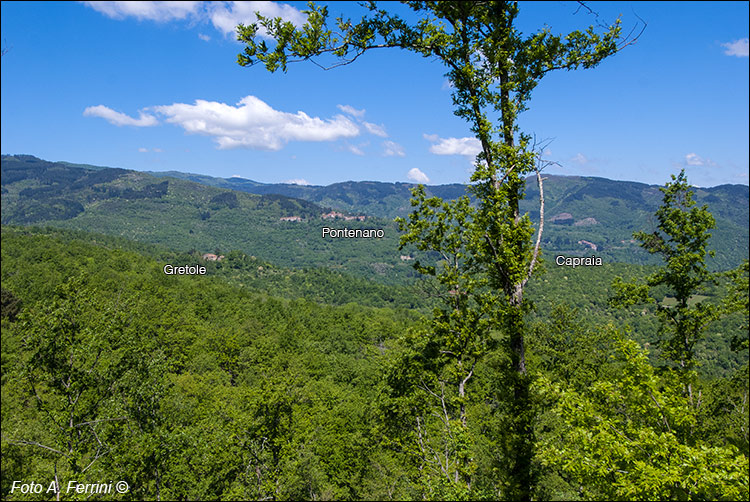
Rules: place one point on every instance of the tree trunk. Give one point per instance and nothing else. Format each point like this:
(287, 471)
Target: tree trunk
(522, 441)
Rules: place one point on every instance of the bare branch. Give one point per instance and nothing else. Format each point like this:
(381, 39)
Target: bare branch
(99, 448)
(94, 422)
(34, 443)
(630, 41)
(40, 402)
(663, 416)
(541, 225)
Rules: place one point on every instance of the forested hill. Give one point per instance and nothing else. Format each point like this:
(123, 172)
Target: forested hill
(600, 211)
(191, 379)
(282, 223)
(183, 216)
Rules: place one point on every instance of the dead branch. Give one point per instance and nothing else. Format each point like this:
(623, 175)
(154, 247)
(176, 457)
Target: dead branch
(541, 225)
(34, 443)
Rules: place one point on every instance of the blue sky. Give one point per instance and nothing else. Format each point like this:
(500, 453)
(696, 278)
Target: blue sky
(155, 86)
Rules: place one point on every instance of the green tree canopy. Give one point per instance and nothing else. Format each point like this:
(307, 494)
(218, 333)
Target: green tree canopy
(681, 238)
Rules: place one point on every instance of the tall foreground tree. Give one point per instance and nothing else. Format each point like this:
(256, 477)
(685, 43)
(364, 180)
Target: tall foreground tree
(681, 238)
(488, 252)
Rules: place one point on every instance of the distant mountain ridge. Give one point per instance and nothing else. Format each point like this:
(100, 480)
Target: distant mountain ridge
(375, 198)
(389, 200)
(282, 222)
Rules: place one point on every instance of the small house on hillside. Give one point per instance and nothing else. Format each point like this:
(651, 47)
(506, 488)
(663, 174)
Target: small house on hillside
(334, 215)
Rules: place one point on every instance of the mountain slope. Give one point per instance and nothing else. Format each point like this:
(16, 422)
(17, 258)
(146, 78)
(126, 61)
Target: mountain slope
(375, 198)
(185, 215)
(583, 214)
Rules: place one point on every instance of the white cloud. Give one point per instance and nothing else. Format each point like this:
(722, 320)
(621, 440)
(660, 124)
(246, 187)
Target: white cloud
(695, 160)
(120, 119)
(351, 110)
(415, 174)
(393, 149)
(297, 181)
(203, 37)
(254, 124)
(143, 150)
(737, 48)
(354, 149)
(453, 146)
(580, 158)
(225, 16)
(152, 11)
(377, 130)
(158, 150)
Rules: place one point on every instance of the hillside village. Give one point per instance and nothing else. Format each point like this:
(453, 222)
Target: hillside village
(332, 215)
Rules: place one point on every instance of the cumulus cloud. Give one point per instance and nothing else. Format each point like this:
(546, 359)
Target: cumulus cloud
(351, 111)
(120, 119)
(297, 181)
(695, 160)
(203, 37)
(737, 48)
(152, 11)
(143, 150)
(251, 123)
(393, 149)
(453, 146)
(377, 130)
(415, 174)
(254, 124)
(225, 16)
(579, 158)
